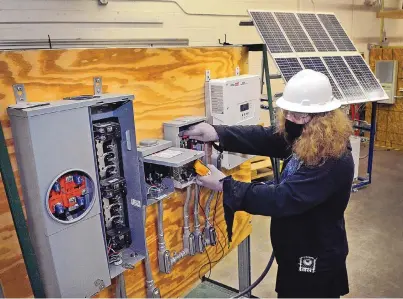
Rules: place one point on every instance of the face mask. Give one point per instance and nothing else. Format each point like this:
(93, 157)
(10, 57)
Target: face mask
(293, 130)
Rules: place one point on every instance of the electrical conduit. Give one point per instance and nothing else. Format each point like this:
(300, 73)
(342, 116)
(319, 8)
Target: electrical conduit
(152, 290)
(208, 226)
(199, 240)
(165, 261)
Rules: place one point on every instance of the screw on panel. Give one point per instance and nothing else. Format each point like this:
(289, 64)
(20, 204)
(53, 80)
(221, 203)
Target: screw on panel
(97, 85)
(237, 71)
(103, 2)
(207, 75)
(19, 93)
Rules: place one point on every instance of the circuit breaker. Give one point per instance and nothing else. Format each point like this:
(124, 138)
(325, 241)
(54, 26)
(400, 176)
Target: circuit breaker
(81, 183)
(233, 101)
(166, 167)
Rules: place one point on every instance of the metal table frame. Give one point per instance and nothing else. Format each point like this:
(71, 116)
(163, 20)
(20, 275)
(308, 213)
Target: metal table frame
(365, 181)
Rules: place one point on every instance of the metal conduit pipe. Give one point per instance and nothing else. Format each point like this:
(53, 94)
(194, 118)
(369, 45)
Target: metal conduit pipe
(165, 261)
(188, 237)
(210, 236)
(186, 225)
(161, 239)
(196, 209)
(207, 208)
(152, 290)
(199, 238)
(164, 256)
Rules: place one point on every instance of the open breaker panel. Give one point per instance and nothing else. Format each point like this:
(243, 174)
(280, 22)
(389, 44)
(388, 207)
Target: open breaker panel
(81, 182)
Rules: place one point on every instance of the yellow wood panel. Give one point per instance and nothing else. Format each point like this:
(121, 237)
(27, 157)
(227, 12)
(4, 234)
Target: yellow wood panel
(380, 136)
(387, 54)
(396, 139)
(374, 55)
(382, 120)
(395, 122)
(398, 55)
(167, 83)
(390, 14)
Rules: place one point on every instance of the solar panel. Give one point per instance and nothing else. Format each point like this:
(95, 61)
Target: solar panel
(316, 64)
(344, 78)
(318, 41)
(294, 31)
(316, 32)
(336, 32)
(364, 75)
(271, 32)
(288, 67)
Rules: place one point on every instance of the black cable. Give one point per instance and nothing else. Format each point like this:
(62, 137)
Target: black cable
(255, 284)
(271, 260)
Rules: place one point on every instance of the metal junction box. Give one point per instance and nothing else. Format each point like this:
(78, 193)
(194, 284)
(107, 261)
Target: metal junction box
(81, 184)
(174, 127)
(386, 72)
(166, 167)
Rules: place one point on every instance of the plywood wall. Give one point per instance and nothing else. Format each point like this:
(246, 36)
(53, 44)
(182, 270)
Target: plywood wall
(389, 123)
(167, 83)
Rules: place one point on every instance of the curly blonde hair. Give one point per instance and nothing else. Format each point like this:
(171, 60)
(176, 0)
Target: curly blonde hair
(325, 136)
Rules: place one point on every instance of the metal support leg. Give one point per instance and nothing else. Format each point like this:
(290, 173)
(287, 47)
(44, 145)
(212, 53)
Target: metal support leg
(244, 265)
(372, 141)
(19, 220)
(276, 162)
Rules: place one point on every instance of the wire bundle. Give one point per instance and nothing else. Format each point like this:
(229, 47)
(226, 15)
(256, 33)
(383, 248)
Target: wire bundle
(210, 262)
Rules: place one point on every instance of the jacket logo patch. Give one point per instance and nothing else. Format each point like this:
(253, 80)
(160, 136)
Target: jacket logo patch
(307, 264)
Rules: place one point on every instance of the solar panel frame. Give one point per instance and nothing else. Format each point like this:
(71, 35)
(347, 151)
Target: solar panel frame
(345, 79)
(288, 67)
(273, 36)
(294, 32)
(316, 32)
(316, 64)
(334, 48)
(365, 77)
(336, 32)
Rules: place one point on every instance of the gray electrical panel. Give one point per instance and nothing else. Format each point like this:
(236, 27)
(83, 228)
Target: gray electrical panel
(386, 72)
(79, 171)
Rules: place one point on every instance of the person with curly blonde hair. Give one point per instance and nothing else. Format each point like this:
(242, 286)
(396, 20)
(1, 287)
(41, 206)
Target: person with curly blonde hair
(307, 206)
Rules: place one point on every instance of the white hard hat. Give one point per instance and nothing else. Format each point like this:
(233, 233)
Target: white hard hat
(308, 92)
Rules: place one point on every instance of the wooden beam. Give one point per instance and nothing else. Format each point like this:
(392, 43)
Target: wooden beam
(390, 14)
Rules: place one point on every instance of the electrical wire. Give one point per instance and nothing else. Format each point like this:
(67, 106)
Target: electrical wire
(271, 260)
(259, 280)
(222, 253)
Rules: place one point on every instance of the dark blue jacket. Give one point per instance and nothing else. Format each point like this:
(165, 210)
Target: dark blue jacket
(307, 209)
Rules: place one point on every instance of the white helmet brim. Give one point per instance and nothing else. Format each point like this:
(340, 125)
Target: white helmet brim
(294, 107)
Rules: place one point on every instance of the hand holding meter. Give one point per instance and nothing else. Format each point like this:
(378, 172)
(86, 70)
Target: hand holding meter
(201, 169)
(213, 180)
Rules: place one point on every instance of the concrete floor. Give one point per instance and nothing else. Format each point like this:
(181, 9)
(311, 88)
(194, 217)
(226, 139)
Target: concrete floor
(374, 220)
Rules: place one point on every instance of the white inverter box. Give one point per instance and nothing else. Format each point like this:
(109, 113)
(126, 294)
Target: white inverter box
(233, 101)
